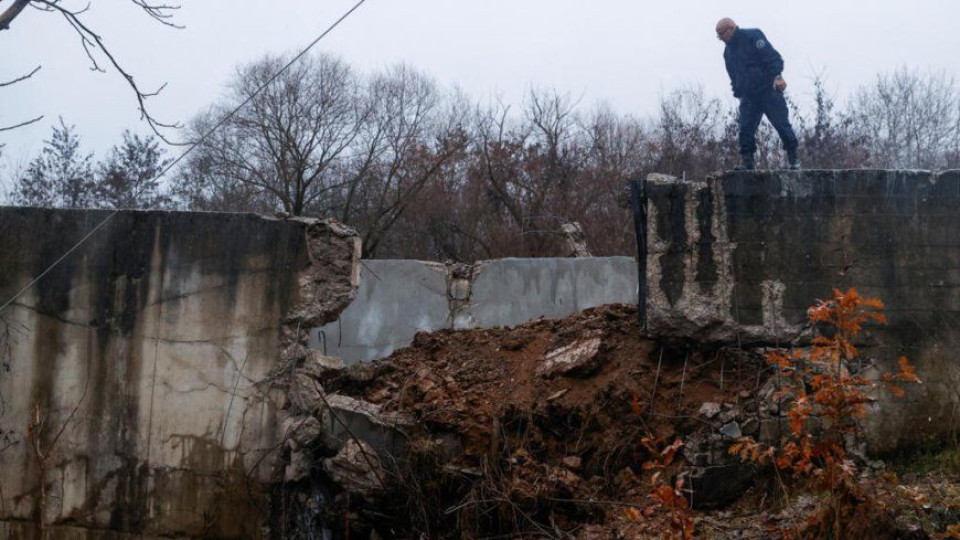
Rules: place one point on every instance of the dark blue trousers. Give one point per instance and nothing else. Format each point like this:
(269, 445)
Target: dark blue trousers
(752, 109)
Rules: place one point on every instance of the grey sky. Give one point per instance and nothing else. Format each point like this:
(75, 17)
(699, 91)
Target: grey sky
(624, 53)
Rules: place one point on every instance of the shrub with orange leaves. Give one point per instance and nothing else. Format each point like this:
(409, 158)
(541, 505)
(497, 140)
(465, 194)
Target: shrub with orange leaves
(817, 382)
(664, 495)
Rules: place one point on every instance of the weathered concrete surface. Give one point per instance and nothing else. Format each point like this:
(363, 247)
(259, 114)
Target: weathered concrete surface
(397, 299)
(132, 394)
(508, 292)
(740, 257)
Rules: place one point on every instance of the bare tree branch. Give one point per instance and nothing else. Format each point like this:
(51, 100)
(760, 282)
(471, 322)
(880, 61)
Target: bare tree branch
(15, 81)
(159, 12)
(22, 124)
(11, 13)
(90, 41)
(19, 79)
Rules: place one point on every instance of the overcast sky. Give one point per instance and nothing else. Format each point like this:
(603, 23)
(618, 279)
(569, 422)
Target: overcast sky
(626, 53)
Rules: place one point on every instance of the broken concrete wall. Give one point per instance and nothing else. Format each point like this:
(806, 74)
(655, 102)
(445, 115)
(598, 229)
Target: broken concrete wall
(399, 298)
(740, 257)
(135, 394)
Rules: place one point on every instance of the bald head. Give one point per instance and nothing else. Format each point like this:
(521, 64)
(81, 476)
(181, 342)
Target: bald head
(725, 29)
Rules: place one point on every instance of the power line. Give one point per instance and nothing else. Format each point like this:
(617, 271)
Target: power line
(262, 87)
(58, 261)
(192, 147)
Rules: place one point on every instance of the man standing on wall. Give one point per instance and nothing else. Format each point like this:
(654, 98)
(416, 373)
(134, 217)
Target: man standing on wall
(755, 70)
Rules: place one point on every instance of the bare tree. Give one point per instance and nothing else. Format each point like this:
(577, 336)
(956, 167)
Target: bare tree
(408, 136)
(205, 182)
(527, 164)
(689, 136)
(909, 120)
(93, 44)
(321, 140)
(617, 154)
(292, 139)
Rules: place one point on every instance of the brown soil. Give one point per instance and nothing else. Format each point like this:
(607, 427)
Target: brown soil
(501, 451)
(513, 450)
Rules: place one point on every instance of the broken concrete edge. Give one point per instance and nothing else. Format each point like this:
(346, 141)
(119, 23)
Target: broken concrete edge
(326, 283)
(333, 251)
(706, 316)
(575, 240)
(359, 435)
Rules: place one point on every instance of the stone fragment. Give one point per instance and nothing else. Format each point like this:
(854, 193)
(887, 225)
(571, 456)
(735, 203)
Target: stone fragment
(299, 466)
(347, 418)
(319, 364)
(301, 431)
(356, 468)
(709, 410)
(575, 240)
(750, 426)
(460, 289)
(563, 477)
(773, 429)
(729, 415)
(572, 462)
(731, 430)
(304, 394)
(294, 352)
(577, 358)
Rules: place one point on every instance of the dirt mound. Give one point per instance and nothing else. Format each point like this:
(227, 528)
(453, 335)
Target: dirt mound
(557, 429)
(537, 429)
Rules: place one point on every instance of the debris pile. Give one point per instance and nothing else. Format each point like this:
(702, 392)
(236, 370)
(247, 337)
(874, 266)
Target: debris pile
(535, 431)
(508, 431)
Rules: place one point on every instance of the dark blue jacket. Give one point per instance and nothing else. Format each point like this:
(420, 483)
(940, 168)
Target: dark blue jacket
(752, 62)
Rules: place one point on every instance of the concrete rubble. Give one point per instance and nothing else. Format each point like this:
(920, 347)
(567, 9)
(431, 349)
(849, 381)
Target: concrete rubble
(575, 240)
(578, 357)
(356, 468)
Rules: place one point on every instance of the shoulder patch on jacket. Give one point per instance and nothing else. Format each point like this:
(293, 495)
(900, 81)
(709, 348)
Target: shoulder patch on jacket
(761, 43)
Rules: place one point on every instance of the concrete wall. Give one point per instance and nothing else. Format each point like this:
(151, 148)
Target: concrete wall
(397, 299)
(741, 256)
(132, 399)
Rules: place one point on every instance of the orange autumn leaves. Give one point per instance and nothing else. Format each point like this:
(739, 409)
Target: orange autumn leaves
(818, 383)
(664, 496)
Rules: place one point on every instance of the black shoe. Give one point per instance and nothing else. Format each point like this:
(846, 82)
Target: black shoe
(793, 162)
(745, 165)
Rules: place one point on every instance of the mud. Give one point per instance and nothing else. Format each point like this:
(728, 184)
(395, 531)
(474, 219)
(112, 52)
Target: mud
(507, 442)
(538, 431)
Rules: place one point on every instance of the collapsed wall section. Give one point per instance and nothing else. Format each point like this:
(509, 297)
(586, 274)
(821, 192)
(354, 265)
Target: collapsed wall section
(740, 257)
(398, 298)
(136, 392)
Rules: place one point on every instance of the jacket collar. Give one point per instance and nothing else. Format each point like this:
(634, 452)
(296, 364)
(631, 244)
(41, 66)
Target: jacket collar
(736, 37)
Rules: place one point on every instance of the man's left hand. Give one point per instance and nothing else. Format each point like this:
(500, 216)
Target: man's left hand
(779, 84)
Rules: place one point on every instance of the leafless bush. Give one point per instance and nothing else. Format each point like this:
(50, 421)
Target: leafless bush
(909, 120)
